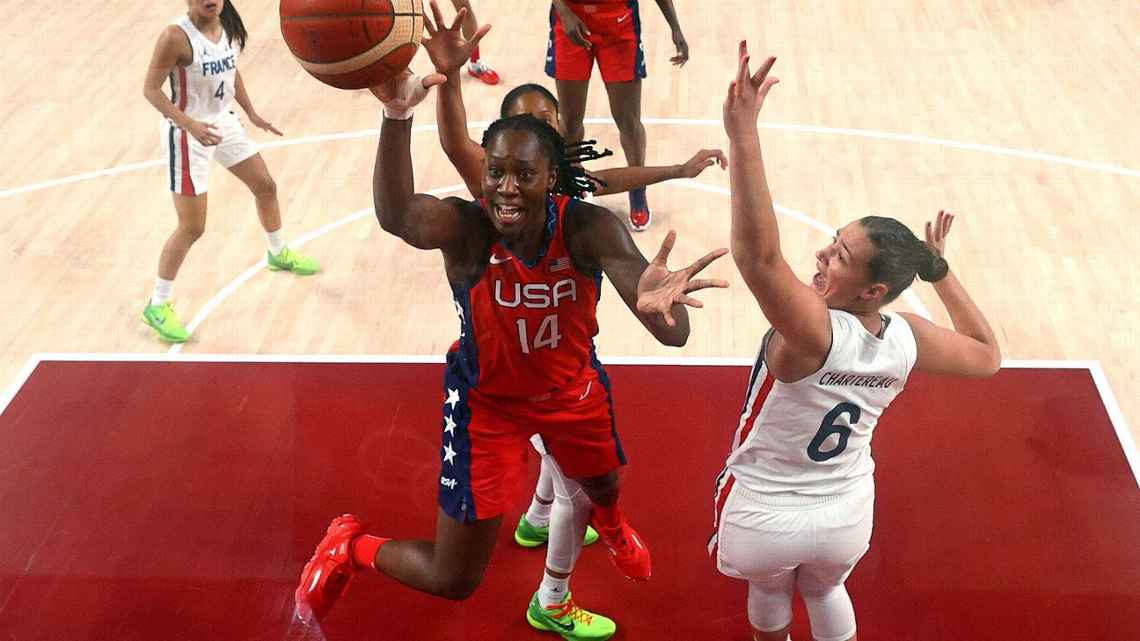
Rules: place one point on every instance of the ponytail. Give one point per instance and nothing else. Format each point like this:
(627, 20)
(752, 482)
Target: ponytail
(900, 256)
(933, 266)
(231, 22)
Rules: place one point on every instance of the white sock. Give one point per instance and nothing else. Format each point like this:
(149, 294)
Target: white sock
(276, 241)
(538, 514)
(552, 590)
(163, 289)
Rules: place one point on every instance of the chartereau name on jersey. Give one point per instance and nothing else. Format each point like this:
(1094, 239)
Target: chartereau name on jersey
(857, 380)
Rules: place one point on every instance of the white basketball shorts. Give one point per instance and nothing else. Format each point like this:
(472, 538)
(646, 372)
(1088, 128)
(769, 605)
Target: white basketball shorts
(762, 537)
(189, 160)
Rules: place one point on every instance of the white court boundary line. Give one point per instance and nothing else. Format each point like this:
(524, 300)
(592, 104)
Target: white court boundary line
(871, 134)
(1107, 398)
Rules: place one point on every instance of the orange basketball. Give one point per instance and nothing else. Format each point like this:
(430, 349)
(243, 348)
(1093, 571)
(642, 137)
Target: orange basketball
(352, 44)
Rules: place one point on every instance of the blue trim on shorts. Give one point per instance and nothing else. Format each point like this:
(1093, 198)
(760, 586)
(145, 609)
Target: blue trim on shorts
(172, 184)
(460, 375)
(605, 381)
(639, 57)
(550, 67)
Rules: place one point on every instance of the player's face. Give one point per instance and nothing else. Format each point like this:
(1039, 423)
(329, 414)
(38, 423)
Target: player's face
(537, 105)
(206, 8)
(843, 274)
(516, 180)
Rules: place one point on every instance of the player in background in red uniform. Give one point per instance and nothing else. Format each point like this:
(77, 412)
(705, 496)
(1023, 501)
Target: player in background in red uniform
(525, 265)
(610, 32)
(475, 65)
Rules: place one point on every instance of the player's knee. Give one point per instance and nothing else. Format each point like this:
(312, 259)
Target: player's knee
(266, 188)
(458, 587)
(191, 232)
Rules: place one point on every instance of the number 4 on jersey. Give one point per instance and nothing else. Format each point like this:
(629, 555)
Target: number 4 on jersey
(547, 335)
(220, 94)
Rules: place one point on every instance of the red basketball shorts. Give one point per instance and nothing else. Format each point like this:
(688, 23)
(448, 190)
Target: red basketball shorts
(615, 38)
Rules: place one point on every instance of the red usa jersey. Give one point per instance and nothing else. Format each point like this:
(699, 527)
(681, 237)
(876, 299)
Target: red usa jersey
(527, 329)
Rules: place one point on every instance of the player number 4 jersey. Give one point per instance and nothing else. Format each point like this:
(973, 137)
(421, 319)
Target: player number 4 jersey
(204, 90)
(813, 436)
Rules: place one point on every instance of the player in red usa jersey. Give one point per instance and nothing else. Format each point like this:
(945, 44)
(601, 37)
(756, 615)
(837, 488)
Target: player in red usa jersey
(525, 266)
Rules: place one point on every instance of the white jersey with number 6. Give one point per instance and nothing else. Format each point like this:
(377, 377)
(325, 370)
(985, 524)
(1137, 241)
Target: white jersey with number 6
(204, 90)
(813, 437)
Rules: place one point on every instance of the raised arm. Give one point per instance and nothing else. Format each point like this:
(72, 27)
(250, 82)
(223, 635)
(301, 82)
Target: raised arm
(797, 313)
(449, 50)
(971, 349)
(623, 179)
(422, 221)
(654, 294)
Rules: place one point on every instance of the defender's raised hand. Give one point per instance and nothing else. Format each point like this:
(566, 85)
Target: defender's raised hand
(446, 46)
(746, 93)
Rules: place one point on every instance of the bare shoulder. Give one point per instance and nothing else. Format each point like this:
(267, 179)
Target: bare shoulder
(174, 42)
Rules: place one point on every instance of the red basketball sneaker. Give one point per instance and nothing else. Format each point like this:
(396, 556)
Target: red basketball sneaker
(478, 69)
(327, 574)
(640, 219)
(627, 550)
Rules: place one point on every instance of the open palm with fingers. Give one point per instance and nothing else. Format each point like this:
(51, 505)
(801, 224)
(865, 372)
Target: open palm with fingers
(746, 93)
(445, 45)
(937, 231)
(659, 289)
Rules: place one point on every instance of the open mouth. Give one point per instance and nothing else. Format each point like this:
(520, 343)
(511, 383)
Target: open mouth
(818, 282)
(508, 215)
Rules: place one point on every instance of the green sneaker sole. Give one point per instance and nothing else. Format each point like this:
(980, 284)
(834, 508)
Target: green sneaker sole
(539, 625)
(299, 272)
(590, 538)
(162, 335)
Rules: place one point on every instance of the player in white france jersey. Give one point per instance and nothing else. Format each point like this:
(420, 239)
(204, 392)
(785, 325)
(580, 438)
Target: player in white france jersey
(794, 503)
(196, 60)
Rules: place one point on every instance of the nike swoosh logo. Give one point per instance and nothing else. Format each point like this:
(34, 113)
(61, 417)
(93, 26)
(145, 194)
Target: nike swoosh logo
(622, 19)
(495, 260)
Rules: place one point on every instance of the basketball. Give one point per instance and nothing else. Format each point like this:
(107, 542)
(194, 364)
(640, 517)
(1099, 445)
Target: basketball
(352, 44)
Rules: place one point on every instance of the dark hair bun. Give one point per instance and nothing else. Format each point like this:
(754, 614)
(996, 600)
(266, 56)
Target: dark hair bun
(934, 268)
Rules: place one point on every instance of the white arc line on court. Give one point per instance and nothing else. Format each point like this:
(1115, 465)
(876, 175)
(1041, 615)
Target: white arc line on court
(673, 122)
(257, 267)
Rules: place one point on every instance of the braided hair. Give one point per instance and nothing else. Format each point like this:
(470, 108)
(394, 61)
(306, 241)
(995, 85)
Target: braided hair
(900, 256)
(571, 179)
(231, 22)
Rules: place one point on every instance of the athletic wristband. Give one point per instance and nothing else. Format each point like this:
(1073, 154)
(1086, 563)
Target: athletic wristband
(393, 114)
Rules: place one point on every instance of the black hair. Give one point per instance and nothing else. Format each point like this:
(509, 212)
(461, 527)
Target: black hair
(900, 256)
(522, 90)
(231, 22)
(572, 180)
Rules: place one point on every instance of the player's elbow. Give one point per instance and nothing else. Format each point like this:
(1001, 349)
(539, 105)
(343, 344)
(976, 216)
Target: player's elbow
(992, 362)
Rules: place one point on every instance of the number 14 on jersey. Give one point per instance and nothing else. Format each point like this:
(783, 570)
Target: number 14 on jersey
(546, 336)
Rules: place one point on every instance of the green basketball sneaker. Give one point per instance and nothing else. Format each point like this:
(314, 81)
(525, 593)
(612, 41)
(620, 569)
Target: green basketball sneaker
(163, 319)
(289, 260)
(532, 536)
(569, 621)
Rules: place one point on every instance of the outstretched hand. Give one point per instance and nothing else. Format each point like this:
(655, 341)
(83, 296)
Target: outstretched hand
(936, 233)
(746, 93)
(659, 289)
(405, 90)
(445, 45)
(702, 160)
